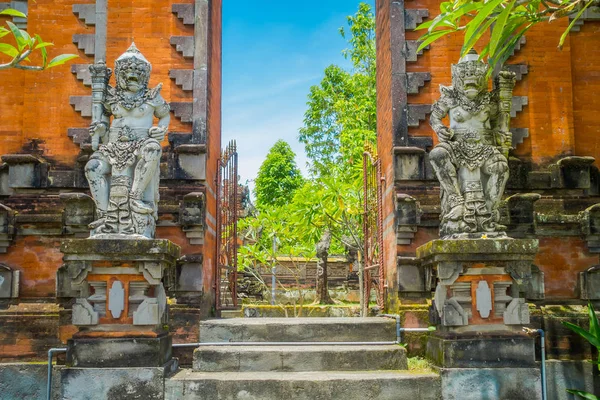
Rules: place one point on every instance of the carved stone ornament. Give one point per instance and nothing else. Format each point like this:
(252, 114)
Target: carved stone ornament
(123, 172)
(471, 159)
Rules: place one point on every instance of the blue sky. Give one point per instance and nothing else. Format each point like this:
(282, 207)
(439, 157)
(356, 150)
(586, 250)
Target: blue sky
(273, 51)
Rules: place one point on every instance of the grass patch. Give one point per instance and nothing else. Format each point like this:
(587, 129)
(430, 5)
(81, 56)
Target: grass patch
(419, 364)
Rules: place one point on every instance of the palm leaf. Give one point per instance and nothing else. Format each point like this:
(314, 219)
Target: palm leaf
(582, 394)
(566, 32)
(595, 341)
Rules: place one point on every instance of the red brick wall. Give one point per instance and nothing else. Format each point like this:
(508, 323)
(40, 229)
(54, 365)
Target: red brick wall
(385, 140)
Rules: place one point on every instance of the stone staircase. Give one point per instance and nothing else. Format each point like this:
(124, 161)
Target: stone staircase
(292, 368)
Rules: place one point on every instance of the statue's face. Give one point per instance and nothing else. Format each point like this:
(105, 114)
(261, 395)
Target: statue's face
(469, 78)
(133, 76)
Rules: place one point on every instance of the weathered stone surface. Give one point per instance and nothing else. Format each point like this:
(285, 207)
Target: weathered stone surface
(119, 352)
(25, 171)
(578, 375)
(481, 350)
(86, 13)
(184, 45)
(191, 161)
(491, 384)
(370, 385)
(185, 12)
(27, 381)
(85, 42)
(417, 113)
(182, 110)
(413, 17)
(298, 330)
(416, 80)
(409, 163)
(499, 249)
(112, 383)
(183, 77)
(299, 358)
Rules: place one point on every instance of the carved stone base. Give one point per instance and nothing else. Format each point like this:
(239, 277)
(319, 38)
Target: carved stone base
(480, 281)
(119, 284)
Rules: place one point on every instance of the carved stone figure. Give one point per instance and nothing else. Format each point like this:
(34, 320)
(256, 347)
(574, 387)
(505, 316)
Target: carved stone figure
(123, 173)
(471, 159)
(322, 255)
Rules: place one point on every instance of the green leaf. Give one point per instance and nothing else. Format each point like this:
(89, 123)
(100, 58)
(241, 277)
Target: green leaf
(59, 60)
(17, 33)
(499, 27)
(561, 42)
(595, 341)
(432, 37)
(13, 13)
(474, 25)
(42, 44)
(468, 45)
(42, 50)
(3, 32)
(9, 50)
(582, 394)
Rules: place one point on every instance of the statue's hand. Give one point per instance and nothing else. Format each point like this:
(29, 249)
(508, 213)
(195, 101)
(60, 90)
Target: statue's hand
(445, 134)
(158, 132)
(97, 130)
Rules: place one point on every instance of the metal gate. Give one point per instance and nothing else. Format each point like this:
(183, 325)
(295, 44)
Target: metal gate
(227, 216)
(373, 275)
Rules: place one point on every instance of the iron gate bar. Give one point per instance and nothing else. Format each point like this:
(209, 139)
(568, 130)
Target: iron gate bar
(227, 217)
(373, 226)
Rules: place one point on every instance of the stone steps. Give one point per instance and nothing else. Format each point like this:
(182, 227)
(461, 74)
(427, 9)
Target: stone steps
(291, 368)
(363, 385)
(299, 358)
(298, 330)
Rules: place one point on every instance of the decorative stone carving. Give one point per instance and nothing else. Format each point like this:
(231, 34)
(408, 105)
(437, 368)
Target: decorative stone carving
(471, 159)
(479, 280)
(322, 255)
(123, 172)
(117, 282)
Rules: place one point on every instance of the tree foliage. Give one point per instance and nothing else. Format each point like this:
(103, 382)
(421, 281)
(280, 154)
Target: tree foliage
(342, 109)
(278, 177)
(25, 46)
(498, 24)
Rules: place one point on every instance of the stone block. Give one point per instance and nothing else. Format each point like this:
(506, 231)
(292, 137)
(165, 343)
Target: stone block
(86, 13)
(492, 384)
(578, 375)
(25, 171)
(481, 350)
(298, 330)
(27, 381)
(127, 352)
(184, 45)
(83, 313)
(85, 42)
(78, 213)
(9, 282)
(415, 81)
(191, 162)
(588, 283)
(184, 78)
(182, 110)
(410, 50)
(143, 383)
(82, 104)
(572, 172)
(417, 113)
(412, 278)
(190, 273)
(185, 12)
(413, 17)
(521, 213)
(409, 163)
(561, 342)
(386, 385)
(82, 71)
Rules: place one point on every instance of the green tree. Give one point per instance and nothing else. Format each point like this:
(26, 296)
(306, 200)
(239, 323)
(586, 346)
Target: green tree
(504, 21)
(25, 46)
(278, 177)
(342, 109)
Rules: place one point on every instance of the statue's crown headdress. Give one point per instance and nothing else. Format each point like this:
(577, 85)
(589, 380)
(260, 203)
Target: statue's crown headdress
(132, 56)
(470, 66)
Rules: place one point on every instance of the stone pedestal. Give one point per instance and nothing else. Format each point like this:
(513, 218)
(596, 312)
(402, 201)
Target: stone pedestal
(480, 312)
(479, 282)
(119, 287)
(120, 308)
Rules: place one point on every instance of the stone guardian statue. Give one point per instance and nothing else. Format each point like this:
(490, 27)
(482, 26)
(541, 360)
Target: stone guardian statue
(123, 172)
(470, 160)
